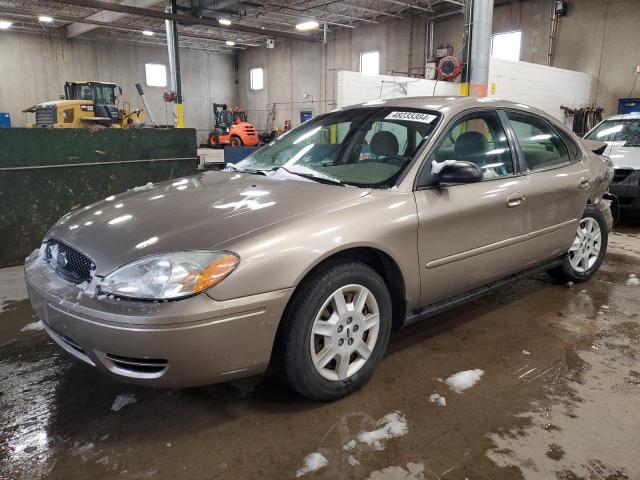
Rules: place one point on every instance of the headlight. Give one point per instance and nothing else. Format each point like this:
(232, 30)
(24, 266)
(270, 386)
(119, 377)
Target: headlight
(169, 276)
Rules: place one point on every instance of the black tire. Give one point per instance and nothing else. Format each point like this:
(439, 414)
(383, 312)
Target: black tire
(295, 363)
(236, 141)
(566, 272)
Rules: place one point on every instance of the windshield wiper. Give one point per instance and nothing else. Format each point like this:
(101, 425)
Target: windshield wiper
(319, 179)
(231, 166)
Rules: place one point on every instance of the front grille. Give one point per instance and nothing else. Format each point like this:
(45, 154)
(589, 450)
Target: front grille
(46, 115)
(148, 366)
(621, 174)
(69, 263)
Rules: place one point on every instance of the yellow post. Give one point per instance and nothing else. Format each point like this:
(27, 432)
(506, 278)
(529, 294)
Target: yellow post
(464, 89)
(179, 116)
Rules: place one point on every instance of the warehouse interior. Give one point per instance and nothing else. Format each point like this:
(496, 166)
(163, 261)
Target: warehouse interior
(101, 97)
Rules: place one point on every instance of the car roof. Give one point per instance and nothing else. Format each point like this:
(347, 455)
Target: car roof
(451, 105)
(624, 116)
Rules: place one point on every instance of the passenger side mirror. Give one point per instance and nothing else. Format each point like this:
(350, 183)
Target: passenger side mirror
(459, 172)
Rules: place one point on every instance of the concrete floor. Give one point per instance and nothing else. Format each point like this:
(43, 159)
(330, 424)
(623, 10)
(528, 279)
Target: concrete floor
(559, 399)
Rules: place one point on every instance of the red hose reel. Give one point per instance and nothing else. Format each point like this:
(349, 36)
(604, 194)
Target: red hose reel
(449, 68)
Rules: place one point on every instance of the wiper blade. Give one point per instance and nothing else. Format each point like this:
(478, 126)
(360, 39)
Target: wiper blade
(319, 179)
(231, 166)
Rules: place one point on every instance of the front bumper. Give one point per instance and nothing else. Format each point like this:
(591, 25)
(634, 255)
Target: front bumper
(626, 186)
(190, 342)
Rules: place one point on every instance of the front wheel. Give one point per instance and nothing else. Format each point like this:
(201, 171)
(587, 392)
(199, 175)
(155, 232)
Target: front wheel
(236, 141)
(336, 331)
(588, 249)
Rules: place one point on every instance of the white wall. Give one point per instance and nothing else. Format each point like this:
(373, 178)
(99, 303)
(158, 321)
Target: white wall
(354, 87)
(540, 86)
(35, 68)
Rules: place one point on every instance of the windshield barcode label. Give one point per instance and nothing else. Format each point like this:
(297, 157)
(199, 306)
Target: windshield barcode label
(411, 117)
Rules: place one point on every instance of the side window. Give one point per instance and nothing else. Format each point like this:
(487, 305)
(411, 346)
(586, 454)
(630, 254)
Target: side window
(574, 149)
(541, 145)
(478, 138)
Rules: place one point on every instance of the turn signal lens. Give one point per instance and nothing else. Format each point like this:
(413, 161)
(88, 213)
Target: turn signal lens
(216, 272)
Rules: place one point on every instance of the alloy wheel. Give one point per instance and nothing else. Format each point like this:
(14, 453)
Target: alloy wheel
(585, 249)
(344, 332)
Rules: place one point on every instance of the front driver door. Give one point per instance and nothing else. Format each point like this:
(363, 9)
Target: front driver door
(471, 234)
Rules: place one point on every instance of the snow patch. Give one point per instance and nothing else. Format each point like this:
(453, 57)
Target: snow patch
(414, 471)
(353, 461)
(350, 445)
(436, 167)
(146, 186)
(526, 352)
(633, 279)
(122, 401)
(438, 399)
(32, 327)
(458, 382)
(391, 425)
(312, 462)
(82, 450)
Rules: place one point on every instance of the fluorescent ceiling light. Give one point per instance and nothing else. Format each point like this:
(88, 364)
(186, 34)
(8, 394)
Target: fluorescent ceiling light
(45, 19)
(307, 25)
(224, 21)
(148, 33)
(4, 24)
(230, 43)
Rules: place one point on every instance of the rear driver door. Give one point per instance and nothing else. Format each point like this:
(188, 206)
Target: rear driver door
(558, 184)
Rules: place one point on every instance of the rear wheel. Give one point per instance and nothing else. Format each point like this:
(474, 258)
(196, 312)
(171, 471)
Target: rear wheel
(236, 141)
(336, 331)
(587, 251)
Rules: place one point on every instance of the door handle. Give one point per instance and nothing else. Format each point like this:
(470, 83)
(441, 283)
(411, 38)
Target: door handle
(584, 182)
(515, 199)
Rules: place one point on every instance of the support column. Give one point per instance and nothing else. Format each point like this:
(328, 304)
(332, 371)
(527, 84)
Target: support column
(174, 63)
(482, 17)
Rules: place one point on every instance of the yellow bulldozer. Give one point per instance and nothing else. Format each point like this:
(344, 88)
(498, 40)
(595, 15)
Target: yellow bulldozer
(86, 105)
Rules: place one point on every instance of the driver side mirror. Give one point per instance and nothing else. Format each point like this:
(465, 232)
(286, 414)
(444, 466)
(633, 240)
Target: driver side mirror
(459, 172)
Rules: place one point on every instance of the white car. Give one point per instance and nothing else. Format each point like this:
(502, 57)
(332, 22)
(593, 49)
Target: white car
(621, 133)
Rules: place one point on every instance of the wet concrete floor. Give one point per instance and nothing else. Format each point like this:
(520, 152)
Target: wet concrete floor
(559, 399)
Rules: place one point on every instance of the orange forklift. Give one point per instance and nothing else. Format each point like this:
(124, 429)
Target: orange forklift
(232, 128)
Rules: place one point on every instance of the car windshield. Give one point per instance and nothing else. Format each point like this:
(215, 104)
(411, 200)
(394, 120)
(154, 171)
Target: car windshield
(622, 132)
(364, 147)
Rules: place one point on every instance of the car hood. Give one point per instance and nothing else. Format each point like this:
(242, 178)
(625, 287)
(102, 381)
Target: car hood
(197, 212)
(624, 157)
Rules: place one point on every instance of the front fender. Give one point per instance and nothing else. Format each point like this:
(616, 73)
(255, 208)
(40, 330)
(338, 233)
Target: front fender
(281, 255)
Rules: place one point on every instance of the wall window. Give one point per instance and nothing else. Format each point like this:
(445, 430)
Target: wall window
(506, 46)
(370, 63)
(256, 78)
(156, 74)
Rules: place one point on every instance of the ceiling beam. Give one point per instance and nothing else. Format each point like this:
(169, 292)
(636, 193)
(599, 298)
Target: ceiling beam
(21, 12)
(76, 29)
(186, 19)
(409, 5)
